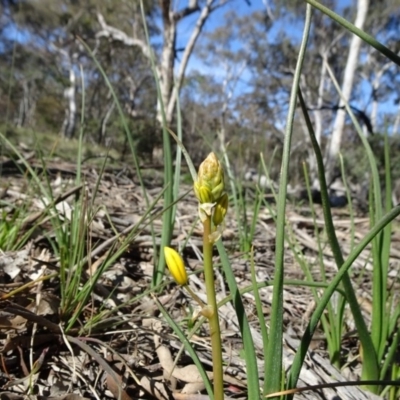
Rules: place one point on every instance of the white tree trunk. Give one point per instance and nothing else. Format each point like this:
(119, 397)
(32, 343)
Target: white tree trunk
(166, 67)
(27, 104)
(67, 63)
(347, 85)
(68, 126)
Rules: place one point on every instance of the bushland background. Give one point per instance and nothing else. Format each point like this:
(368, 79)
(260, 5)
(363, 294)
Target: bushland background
(81, 241)
(231, 64)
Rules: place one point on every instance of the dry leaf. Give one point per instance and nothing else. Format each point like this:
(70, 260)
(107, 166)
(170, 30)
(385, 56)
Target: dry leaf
(12, 262)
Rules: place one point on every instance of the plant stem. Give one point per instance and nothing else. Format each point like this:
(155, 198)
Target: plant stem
(213, 320)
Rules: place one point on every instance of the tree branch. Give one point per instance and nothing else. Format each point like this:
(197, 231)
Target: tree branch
(205, 12)
(190, 9)
(112, 33)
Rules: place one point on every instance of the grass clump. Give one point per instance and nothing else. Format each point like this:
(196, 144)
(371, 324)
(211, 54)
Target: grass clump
(81, 260)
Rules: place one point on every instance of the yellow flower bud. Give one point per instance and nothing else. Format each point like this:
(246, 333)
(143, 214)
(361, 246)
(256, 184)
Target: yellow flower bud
(220, 210)
(176, 266)
(210, 182)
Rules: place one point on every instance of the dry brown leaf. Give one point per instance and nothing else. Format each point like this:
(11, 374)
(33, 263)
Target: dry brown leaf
(188, 374)
(12, 262)
(116, 388)
(157, 389)
(24, 313)
(48, 305)
(64, 397)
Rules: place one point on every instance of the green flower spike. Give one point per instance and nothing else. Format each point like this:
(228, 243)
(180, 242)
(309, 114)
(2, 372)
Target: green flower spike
(209, 188)
(210, 181)
(176, 266)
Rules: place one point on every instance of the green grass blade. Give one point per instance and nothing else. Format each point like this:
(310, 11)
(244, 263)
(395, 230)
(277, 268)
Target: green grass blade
(81, 131)
(371, 366)
(379, 270)
(349, 202)
(178, 157)
(332, 329)
(390, 354)
(384, 254)
(248, 344)
(275, 351)
(237, 198)
(260, 314)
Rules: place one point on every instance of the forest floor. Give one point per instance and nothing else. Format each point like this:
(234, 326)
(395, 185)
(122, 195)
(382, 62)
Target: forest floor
(134, 348)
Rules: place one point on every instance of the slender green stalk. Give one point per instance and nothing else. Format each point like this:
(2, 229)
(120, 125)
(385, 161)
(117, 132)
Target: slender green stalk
(213, 319)
(331, 327)
(260, 313)
(383, 253)
(274, 360)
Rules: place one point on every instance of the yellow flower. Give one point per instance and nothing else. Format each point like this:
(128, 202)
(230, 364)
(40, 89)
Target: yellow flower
(176, 266)
(210, 185)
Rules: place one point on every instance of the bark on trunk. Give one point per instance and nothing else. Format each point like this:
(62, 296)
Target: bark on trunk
(27, 105)
(166, 68)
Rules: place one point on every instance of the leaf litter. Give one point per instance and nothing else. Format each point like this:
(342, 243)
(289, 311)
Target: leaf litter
(120, 346)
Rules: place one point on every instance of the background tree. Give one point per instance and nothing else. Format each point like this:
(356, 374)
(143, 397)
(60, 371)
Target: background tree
(234, 90)
(166, 61)
(51, 31)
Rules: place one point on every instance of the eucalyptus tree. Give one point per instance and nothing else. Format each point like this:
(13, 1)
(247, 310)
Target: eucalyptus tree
(171, 15)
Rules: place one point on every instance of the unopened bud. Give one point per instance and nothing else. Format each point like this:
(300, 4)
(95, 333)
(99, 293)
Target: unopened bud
(220, 210)
(176, 266)
(210, 182)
